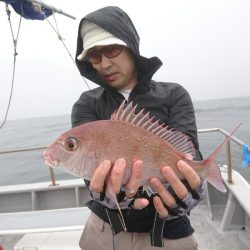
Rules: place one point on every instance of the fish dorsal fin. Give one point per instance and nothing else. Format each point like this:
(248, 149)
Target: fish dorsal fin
(177, 139)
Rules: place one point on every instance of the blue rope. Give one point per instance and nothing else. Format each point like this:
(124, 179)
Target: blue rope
(246, 156)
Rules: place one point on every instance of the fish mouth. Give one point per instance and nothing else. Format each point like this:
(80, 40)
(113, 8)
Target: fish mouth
(49, 160)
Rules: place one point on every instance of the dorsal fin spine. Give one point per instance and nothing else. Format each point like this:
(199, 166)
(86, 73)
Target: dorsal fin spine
(115, 115)
(177, 143)
(162, 130)
(127, 113)
(148, 121)
(160, 133)
(142, 118)
(135, 117)
(184, 148)
(120, 109)
(122, 114)
(181, 141)
(129, 116)
(152, 125)
(166, 132)
(169, 133)
(170, 136)
(159, 127)
(175, 140)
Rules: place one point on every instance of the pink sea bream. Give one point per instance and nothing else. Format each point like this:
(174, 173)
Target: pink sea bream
(132, 136)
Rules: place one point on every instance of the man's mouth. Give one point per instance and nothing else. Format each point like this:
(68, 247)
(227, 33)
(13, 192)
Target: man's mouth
(110, 77)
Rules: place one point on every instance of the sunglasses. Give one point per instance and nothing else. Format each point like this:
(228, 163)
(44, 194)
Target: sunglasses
(111, 51)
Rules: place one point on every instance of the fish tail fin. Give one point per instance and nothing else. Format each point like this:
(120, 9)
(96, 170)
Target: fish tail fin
(112, 194)
(214, 175)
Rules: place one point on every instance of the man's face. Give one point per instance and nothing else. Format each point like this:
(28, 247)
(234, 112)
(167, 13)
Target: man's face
(119, 71)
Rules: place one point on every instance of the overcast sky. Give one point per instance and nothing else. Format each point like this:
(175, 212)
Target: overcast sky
(204, 46)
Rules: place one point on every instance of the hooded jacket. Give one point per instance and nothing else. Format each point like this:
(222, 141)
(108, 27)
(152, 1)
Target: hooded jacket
(168, 102)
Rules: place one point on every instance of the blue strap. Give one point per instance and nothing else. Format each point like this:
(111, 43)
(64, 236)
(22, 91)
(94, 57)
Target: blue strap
(246, 156)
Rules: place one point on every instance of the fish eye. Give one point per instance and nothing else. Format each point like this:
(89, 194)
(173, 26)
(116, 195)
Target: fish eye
(71, 144)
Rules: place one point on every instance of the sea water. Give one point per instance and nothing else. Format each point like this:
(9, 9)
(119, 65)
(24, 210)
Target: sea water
(29, 167)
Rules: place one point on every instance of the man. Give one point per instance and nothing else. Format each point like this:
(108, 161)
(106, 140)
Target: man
(108, 54)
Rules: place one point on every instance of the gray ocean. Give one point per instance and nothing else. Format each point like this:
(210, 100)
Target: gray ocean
(28, 167)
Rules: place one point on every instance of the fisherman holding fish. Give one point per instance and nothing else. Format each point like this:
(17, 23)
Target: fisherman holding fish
(154, 215)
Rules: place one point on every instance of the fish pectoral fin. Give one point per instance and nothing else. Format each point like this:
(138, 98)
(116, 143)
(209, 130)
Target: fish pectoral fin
(112, 194)
(149, 190)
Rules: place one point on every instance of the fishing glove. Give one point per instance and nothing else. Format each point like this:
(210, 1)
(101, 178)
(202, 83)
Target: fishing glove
(104, 198)
(185, 205)
(181, 208)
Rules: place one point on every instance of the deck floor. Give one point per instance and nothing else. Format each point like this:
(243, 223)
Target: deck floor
(8, 241)
(210, 237)
(207, 233)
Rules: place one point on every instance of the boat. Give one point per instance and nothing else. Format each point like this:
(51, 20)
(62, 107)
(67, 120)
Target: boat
(51, 215)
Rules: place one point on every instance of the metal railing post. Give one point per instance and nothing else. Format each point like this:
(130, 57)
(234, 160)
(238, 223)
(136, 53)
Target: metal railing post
(52, 176)
(229, 162)
(17, 150)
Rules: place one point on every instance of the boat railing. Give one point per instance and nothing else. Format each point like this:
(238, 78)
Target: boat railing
(27, 149)
(209, 130)
(228, 148)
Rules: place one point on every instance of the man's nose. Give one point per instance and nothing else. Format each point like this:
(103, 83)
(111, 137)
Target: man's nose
(106, 62)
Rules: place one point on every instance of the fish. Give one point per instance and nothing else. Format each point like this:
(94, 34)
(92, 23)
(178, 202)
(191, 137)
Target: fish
(132, 136)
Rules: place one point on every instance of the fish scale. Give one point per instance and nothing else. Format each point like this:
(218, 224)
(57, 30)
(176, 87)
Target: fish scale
(153, 156)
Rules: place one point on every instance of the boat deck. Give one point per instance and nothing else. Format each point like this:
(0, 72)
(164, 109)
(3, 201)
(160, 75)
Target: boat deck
(208, 234)
(8, 241)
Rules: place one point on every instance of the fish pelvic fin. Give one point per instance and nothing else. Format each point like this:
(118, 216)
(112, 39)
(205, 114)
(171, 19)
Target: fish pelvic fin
(112, 194)
(214, 176)
(150, 191)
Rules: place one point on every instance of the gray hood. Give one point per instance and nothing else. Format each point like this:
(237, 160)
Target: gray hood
(118, 23)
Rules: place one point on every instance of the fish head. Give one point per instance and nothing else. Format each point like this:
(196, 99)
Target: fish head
(63, 153)
(74, 152)
(68, 154)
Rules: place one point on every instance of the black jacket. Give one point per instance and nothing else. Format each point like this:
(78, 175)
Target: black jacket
(168, 102)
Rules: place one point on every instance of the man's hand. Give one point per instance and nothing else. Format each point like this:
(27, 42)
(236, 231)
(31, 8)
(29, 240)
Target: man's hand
(165, 197)
(115, 176)
(133, 185)
(97, 182)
